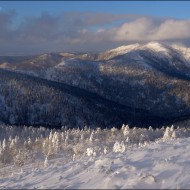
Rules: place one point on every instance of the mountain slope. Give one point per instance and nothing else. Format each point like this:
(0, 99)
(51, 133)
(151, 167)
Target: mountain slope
(29, 100)
(153, 77)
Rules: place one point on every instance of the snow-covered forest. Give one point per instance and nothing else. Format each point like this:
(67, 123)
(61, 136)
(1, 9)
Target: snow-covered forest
(24, 145)
(41, 148)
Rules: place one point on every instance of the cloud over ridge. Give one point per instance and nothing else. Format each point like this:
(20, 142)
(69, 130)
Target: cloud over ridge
(82, 31)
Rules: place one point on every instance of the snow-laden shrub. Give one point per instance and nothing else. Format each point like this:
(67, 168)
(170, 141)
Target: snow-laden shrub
(5, 153)
(119, 147)
(46, 163)
(79, 149)
(105, 150)
(90, 152)
(19, 159)
(169, 133)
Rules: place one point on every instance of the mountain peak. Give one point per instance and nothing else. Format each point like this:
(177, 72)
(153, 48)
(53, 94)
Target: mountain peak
(156, 46)
(118, 51)
(125, 48)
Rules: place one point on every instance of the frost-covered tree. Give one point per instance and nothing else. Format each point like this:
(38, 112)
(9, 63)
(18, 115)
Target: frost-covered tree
(46, 163)
(26, 145)
(119, 147)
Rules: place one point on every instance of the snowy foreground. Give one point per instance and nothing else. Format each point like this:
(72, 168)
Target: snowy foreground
(95, 159)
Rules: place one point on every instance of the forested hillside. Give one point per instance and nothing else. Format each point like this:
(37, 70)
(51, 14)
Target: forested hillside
(137, 84)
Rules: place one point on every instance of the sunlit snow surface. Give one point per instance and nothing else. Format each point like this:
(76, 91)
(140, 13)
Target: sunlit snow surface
(153, 46)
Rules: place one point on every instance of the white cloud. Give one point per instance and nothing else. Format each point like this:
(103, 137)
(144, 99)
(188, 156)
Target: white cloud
(134, 30)
(146, 29)
(173, 29)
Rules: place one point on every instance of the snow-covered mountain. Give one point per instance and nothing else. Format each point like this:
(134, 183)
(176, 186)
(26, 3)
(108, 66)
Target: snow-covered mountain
(117, 51)
(152, 77)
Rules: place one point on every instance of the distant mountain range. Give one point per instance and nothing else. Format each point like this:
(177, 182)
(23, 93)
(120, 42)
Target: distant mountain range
(137, 84)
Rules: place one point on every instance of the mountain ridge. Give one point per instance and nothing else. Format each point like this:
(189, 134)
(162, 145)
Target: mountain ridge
(152, 77)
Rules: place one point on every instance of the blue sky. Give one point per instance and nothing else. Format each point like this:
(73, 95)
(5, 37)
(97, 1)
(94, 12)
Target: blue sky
(175, 9)
(90, 25)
